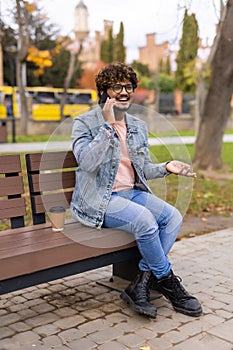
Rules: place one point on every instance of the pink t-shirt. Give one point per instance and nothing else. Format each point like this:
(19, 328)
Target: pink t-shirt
(125, 175)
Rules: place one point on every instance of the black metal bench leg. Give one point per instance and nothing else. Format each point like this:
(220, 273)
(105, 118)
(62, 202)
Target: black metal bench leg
(126, 269)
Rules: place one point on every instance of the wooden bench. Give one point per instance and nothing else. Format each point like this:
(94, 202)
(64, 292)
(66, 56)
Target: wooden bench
(35, 254)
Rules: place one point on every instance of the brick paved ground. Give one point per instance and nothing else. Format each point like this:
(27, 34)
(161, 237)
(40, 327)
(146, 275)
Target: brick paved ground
(76, 313)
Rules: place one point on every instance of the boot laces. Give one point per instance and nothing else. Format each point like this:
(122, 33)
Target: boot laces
(177, 287)
(144, 291)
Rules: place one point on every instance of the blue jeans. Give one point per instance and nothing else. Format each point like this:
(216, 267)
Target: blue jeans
(154, 223)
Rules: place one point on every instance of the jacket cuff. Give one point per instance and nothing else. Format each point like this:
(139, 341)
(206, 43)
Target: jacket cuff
(166, 172)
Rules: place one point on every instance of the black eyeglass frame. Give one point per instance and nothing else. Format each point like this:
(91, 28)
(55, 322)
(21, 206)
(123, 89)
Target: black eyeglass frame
(121, 87)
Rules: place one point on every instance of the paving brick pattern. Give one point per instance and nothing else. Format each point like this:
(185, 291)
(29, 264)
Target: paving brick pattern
(76, 313)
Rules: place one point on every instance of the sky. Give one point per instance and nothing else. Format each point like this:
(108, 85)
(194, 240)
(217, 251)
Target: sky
(140, 17)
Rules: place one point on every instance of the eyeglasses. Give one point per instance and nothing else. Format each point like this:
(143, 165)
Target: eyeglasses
(117, 88)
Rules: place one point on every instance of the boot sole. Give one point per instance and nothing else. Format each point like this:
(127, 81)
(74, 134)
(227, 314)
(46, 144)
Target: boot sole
(126, 298)
(191, 313)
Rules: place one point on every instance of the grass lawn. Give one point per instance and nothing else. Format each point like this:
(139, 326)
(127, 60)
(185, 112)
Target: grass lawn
(45, 138)
(38, 138)
(207, 194)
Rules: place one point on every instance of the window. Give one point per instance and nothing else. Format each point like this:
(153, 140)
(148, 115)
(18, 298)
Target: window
(82, 98)
(45, 97)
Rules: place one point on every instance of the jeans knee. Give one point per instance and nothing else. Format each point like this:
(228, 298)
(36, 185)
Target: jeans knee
(176, 219)
(146, 225)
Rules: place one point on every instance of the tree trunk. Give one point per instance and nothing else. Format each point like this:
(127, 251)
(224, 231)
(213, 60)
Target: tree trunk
(23, 109)
(23, 44)
(214, 111)
(1, 58)
(68, 78)
(73, 58)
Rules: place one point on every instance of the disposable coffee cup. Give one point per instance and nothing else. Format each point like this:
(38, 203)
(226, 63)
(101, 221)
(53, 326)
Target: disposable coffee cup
(57, 218)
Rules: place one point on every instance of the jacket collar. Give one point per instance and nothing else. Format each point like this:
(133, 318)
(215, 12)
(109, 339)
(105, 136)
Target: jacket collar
(131, 122)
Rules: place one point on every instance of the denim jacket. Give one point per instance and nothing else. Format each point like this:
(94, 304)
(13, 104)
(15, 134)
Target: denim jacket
(96, 148)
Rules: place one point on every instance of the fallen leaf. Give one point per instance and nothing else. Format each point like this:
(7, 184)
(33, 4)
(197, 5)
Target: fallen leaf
(203, 219)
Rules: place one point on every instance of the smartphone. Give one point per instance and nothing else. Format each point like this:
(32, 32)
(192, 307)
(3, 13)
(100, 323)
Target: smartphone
(103, 99)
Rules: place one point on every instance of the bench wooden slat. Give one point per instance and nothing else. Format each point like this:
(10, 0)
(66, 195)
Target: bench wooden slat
(18, 231)
(43, 258)
(10, 164)
(24, 240)
(11, 185)
(49, 240)
(20, 238)
(42, 203)
(53, 181)
(11, 208)
(75, 231)
(51, 160)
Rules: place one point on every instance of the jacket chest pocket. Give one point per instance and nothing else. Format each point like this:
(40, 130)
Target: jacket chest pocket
(141, 150)
(139, 153)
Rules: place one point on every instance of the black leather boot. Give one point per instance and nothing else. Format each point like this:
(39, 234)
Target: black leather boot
(137, 295)
(173, 290)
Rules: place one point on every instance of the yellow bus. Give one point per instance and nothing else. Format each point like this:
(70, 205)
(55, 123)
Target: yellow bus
(7, 107)
(44, 102)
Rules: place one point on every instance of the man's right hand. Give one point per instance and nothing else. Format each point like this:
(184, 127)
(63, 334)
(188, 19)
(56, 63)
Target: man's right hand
(108, 112)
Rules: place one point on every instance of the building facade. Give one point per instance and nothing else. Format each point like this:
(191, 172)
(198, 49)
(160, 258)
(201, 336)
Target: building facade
(90, 55)
(151, 54)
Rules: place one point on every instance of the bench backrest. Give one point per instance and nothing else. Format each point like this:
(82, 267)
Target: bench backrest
(51, 177)
(12, 204)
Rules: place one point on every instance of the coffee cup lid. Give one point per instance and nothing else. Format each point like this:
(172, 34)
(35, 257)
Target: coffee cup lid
(57, 209)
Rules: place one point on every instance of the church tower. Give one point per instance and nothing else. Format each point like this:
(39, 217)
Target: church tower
(81, 21)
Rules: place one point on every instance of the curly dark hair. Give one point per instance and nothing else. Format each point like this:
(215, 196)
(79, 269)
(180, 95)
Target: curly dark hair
(114, 73)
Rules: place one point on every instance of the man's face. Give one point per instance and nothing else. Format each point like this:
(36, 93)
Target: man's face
(123, 93)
